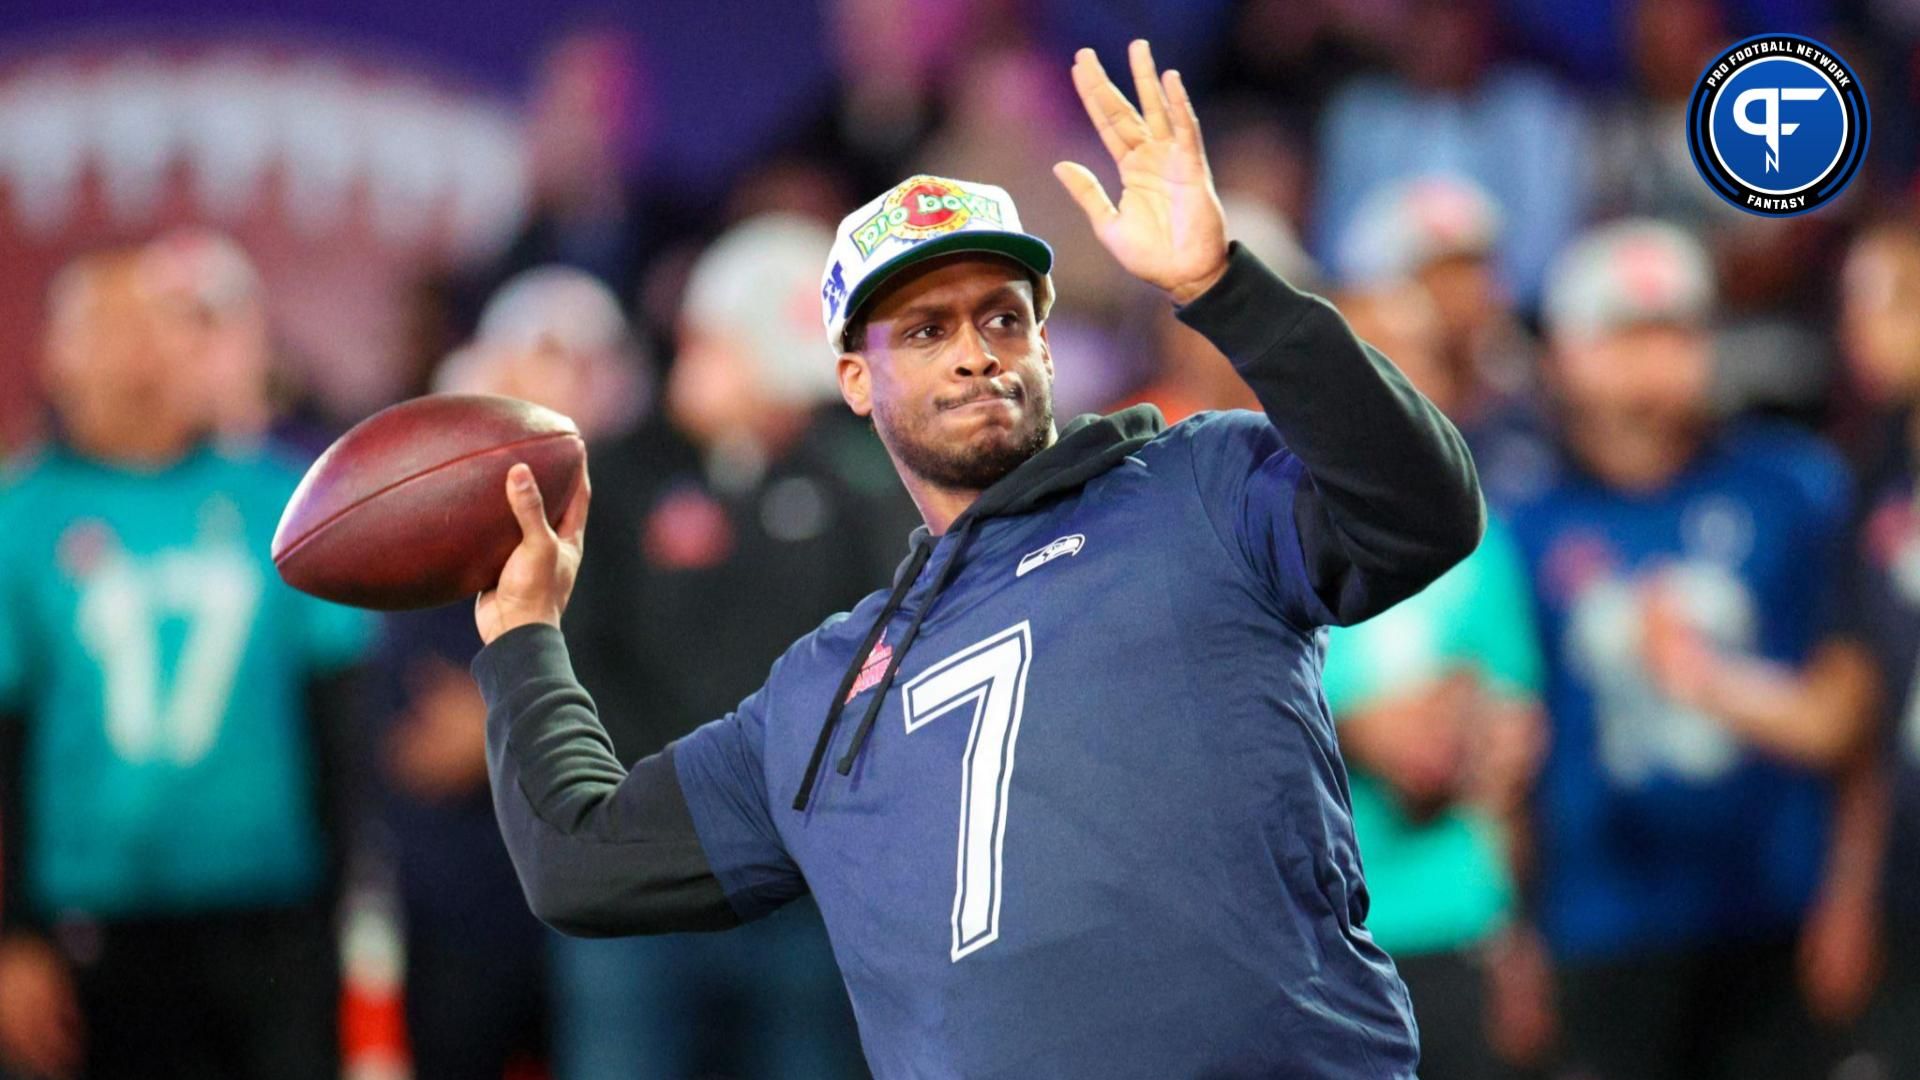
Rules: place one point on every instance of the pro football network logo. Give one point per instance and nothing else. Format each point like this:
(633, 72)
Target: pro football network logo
(1778, 125)
(922, 207)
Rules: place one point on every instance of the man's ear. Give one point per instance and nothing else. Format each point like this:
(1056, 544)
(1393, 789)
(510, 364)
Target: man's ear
(856, 388)
(1046, 352)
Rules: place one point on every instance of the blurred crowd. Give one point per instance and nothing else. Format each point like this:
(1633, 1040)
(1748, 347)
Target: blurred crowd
(1637, 786)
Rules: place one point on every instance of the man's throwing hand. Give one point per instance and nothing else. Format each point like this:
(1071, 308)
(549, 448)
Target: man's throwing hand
(1169, 229)
(538, 578)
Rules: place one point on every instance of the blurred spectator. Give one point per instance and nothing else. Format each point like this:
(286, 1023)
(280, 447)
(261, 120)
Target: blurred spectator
(556, 336)
(216, 315)
(1454, 107)
(1641, 162)
(172, 837)
(214, 295)
(1696, 691)
(705, 569)
(592, 208)
(1438, 702)
(475, 986)
(1774, 346)
(1422, 249)
(1879, 324)
(476, 974)
(1441, 232)
(1880, 332)
(1256, 159)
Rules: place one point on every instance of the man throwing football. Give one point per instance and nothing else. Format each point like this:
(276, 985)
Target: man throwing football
(1066, 793)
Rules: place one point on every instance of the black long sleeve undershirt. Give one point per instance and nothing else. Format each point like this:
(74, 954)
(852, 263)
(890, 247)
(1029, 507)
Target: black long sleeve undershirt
(600, 850)
(1393, 499)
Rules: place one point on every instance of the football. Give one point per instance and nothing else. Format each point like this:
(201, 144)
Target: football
(409, 508)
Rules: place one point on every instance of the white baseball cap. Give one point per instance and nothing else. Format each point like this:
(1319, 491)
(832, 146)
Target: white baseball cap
(921, 217)
(1406, 225)
(569, 307)
(1626, 273)
(755, 283)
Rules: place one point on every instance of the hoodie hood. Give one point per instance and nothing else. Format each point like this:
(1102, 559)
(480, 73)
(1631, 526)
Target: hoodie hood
(1088, 446)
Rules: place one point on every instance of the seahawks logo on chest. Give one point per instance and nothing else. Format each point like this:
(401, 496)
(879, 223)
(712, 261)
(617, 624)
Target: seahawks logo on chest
(1033, 560)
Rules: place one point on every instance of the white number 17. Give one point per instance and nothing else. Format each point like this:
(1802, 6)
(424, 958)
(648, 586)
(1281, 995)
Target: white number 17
(990, 676)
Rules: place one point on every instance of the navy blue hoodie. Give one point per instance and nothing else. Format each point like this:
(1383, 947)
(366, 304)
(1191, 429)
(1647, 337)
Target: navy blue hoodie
(1067, 795)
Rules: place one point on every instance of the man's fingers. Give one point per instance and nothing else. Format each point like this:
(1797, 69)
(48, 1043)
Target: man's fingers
(1146, 83)
(1120, 128)
(573, 523)
(528, 507)
(1086, 190)
(1186, 122)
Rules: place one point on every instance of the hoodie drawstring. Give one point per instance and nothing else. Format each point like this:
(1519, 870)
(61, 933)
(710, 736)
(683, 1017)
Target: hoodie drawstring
(1087, 447)
(912, 572)
(906, 642)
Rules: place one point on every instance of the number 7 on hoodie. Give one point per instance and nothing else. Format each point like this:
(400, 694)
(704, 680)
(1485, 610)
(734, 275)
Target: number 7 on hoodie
(991, 677)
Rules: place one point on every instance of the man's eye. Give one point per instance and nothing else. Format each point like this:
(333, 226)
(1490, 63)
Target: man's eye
(1006, 320)
(924, 333)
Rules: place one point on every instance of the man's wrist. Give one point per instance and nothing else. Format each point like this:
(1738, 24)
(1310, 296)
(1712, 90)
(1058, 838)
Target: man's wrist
(510, 622)
(1187, 292)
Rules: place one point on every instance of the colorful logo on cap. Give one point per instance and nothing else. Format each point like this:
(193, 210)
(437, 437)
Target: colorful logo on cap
(1778, 125)
(920, 208)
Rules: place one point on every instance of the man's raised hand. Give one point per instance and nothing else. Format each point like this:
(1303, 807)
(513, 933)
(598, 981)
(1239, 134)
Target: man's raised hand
(538, 578)
(1169, 229)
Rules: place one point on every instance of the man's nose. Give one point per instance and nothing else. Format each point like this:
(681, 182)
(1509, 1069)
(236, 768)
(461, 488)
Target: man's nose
(975, 355)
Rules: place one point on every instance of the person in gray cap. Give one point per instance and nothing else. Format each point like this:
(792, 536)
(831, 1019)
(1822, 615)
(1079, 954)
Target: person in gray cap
(1701, 704)
(1166, 883)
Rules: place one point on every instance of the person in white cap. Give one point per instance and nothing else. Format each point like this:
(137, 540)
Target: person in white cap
(556, 336)
(1700, 703)
(1440, 230)
(1087, 816)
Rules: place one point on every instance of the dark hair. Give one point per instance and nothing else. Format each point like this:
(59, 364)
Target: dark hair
(854, 337)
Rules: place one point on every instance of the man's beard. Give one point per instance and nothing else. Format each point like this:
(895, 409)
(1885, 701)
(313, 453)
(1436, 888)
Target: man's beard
(971, 467)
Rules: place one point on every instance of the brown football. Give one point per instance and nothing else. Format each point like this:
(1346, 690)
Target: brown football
(409, 508)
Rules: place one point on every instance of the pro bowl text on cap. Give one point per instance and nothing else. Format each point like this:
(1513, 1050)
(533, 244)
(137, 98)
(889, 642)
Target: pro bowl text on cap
(1625, 274)
(1404, 226)
(922, 217)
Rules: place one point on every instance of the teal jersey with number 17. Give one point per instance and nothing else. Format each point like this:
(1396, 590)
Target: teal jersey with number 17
(160, 666)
